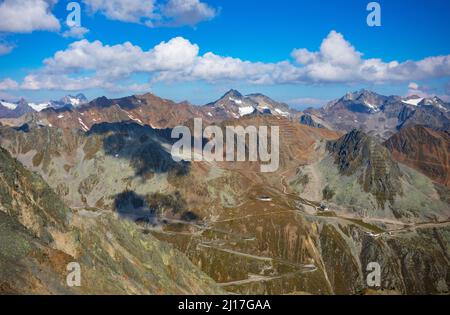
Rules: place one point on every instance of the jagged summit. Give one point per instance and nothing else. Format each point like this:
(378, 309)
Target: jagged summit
(382, 116)
(75, 101)
(360, 101)
(358, 153)
(232, 93)
(233, 105)
(22, 106)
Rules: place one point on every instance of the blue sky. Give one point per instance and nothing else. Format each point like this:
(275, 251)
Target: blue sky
(253, 45)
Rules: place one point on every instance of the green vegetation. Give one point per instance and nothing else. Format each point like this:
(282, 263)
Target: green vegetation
(329, 214)
(328, 193)
(300, 182)
(368, 226)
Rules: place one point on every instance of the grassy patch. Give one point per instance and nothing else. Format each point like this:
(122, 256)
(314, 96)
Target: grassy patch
(368, 226)
(330, 214)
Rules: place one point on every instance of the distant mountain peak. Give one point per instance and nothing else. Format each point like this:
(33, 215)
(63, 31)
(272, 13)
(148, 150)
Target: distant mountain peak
(359, 101)
(361, 94)
(233, 93)
(74, 101)
(233, 105)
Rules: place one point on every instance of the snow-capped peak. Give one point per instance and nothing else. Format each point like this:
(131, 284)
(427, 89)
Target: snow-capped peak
(75, 101)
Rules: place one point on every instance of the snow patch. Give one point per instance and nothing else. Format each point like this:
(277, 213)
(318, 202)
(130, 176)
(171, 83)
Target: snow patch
(135, 119)
(247, 110)
(39, 106)
(371, 106)
(239, 102)
(83, 125)
(74, 101)
(279, 111)
(413, 101)
(10, 106)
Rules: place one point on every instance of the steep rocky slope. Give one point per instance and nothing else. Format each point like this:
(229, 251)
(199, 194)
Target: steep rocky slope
(40, 236)
(423, 149)
(380, 174)
(382, 116)
(249, 231)
(357, 174)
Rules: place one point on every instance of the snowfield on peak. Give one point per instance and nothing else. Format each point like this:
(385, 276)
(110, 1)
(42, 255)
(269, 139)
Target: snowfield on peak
(413, 102)
(74, 101)
(39, 107)
(247, 110)
(8, 105)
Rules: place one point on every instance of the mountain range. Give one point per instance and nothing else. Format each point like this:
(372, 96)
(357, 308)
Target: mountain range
(97, 184)
(157, 112)
(21, 107)
(382, 116)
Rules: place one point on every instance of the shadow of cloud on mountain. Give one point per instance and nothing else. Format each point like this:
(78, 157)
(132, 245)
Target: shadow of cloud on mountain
(132, 206)
(147, 149)
(23, 128)
(151, 209)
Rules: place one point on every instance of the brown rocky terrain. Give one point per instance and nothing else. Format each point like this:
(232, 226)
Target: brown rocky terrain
(382, 116)
(423, 149)
(40, 236)
(256, 232)
(149, 109)
(143, 109)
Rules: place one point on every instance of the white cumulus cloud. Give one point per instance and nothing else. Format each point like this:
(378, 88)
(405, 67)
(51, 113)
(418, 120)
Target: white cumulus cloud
(154, 12)
(75, 32)
(8, 84)
(93, 64)
(26, 16)
(339, 61)
(135, 11)
(86, 64)
(187, 12)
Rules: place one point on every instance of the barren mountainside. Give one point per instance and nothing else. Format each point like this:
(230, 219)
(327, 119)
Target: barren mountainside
(425, 150)
(251, 232)
(40, 236)
(382, 116)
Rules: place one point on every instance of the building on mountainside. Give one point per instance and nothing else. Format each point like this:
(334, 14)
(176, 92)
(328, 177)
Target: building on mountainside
(264, 198)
